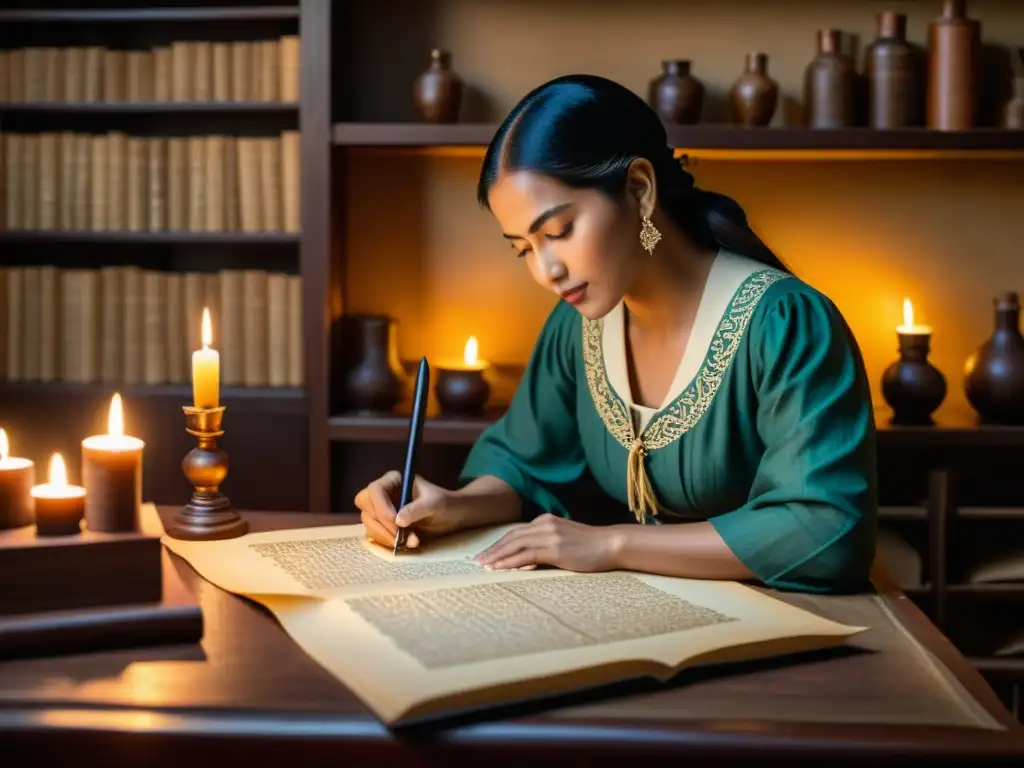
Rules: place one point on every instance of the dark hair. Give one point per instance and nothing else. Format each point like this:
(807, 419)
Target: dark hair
(586, 130)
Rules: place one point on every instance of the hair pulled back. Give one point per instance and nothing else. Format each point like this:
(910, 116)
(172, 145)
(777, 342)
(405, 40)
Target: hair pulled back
(586, 130)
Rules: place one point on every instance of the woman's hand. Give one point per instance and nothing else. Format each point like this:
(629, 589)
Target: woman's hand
(552, 540)
(429, 511)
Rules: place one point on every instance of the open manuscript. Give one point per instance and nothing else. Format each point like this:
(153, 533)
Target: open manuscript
(429, 633)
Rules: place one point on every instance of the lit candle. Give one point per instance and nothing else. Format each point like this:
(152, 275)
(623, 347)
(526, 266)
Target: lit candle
(461, 388)
(17, 476)
(911, 385)
(112, 473)
(908, 327)
(59, 507)
(471, 356)
(206, 369)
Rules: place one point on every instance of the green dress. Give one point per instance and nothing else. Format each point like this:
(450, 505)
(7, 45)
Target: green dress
(767, 431)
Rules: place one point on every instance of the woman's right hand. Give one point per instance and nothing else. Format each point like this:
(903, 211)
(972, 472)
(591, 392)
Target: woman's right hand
(430, 513)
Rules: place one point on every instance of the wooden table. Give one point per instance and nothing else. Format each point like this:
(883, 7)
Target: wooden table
(247, 692)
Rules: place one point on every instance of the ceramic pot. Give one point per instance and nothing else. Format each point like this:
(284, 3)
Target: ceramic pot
(676, 95)
(912, 386)
(755, 95)
(372, 379)
(954, 66)
(437, 92)
(830, 85)
(893, 70)
(994, 375)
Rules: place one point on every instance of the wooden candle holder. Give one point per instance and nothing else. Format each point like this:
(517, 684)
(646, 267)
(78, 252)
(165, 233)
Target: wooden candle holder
(91, 590)
(208, 515)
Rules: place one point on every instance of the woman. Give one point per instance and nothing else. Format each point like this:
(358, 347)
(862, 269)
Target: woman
(696, 378)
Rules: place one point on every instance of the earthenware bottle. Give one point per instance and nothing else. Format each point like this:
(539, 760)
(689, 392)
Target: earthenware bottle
(994, 374)
(437, 92)
(830, 85)
(676, 95)
(893, 70)
(954, 56)
(755, 95)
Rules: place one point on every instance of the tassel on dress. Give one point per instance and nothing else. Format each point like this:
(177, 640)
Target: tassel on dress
(638, 487)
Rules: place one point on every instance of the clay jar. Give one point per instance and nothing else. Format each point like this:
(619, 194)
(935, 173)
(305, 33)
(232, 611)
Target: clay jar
(830, 85)
(994, 380)
(372, 377)
(675, 94)
(437, 92)
(894, 73)
(954, 61)
(755, 95)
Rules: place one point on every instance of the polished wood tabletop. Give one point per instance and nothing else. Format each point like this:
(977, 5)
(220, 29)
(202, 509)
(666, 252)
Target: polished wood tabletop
(246, 691)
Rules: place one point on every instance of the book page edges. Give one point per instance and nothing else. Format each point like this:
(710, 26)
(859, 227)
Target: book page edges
(408, 703)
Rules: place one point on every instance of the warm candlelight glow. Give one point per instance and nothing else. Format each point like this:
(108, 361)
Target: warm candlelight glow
(58, 472)
(115, 439)
(470, 352)
(206, 332)
(206, 369)
(115, 419)
(6, 462)
(57, 486)
(908, 325)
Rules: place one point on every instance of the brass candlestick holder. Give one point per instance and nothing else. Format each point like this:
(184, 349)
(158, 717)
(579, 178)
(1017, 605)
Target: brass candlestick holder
(208, 516)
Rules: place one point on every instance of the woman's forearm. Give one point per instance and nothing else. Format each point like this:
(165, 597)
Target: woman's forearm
(486, 500)
(687, 550)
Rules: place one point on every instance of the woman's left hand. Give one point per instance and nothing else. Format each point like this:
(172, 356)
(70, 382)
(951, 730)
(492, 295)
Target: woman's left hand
(555, 541)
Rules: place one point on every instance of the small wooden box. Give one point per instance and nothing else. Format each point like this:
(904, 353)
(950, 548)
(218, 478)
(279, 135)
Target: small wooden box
(86, 570)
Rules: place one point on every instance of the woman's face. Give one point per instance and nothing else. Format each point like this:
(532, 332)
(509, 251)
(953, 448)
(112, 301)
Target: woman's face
(577, 243)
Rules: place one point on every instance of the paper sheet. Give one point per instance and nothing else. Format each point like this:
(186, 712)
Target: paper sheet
(424, 633)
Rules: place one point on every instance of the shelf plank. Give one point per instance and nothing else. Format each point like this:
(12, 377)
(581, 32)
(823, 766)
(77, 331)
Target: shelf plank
(288, 399)
(721, 138)
(991, 513)
(989, 590)
(1009, 666)
(156, 107)
(952, 431)
(124, 236)
(902, 513)
(191, 13)
(395, 429)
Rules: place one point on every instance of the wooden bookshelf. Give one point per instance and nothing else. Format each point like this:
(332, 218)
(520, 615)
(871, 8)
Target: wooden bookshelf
(147, 107)
(268, 428)
(137, 15)
(43, 237)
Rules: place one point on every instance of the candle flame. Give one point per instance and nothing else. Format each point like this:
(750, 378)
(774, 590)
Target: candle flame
(58, 472)
(470, 352)
(908, 313)
(115, 421)
(5, 448)
(207, 328)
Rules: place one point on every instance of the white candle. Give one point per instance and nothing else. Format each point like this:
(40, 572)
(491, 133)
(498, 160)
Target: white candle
(206, 369)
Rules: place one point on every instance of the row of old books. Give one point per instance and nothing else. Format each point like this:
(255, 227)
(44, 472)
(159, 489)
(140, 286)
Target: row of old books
(113, 181)
(183, 71)
(126, 324)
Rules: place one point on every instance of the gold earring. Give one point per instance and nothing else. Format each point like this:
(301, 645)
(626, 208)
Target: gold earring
(649, 235)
